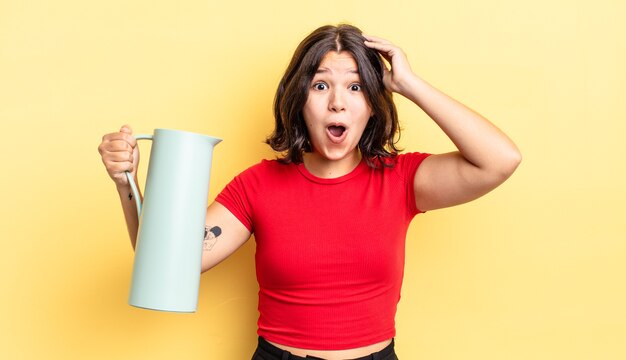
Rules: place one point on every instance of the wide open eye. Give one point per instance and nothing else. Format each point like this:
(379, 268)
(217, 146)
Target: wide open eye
(320, 86)
(355, 87)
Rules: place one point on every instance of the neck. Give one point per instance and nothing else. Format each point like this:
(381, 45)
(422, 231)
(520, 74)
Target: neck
(329, 169)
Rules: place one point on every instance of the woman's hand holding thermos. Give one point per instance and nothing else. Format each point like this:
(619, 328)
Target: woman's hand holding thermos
(120, 153)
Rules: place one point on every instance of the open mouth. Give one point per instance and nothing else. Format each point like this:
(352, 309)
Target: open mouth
(336, 131)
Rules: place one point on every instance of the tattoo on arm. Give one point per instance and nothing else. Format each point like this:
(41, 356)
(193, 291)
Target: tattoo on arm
(130, 196)
(211, 233)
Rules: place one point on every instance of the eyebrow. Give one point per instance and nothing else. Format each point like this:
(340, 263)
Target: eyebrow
(326, 70)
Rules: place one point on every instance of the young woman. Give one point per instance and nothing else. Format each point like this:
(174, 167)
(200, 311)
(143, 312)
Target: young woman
(330, 216)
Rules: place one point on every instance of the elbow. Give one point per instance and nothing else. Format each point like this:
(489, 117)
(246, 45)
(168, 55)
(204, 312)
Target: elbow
(510, 162)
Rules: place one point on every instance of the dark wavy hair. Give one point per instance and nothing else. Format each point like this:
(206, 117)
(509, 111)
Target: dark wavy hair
(290, 136)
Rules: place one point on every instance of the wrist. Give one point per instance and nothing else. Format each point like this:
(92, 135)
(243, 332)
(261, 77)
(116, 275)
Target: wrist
(123, 189)
(411, 87)
(126, 193)
(404, 84)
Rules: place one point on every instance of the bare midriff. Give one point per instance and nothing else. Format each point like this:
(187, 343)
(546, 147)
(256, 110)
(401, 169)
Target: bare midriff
(336, 354)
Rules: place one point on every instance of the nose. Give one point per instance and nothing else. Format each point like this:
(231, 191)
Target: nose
(336, 102)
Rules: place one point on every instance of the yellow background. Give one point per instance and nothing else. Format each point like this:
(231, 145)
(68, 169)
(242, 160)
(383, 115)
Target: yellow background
(534, 270)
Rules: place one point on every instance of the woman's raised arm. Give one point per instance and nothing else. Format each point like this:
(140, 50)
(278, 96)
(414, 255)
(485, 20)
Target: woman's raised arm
(486, 157)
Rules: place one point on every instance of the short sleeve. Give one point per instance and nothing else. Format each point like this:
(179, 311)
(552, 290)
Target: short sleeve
(407, 165)
(236, 197)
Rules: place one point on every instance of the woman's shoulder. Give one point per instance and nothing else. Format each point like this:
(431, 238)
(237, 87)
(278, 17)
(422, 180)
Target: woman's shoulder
(402, 159)
(267, 167)
(412, 155)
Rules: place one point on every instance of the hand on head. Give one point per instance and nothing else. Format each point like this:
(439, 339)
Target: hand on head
(400, 71)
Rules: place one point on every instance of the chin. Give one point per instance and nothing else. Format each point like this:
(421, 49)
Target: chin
(336, 155)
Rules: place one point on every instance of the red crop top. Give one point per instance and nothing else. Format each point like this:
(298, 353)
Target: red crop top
(330, 252)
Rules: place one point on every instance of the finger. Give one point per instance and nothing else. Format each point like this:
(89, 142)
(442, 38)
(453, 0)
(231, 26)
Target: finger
(117, 145)
(126, 129)
(128, 135)
(120, 156)
(113, 167)
(118, 168)
(384, 50)
(120, 136)
(116, 136)
(380, 46)
(377, 39)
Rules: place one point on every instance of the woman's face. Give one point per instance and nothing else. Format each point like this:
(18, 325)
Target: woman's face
(336, 111)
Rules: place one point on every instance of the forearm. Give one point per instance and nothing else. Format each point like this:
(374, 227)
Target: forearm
(130, 212)
(479, 141)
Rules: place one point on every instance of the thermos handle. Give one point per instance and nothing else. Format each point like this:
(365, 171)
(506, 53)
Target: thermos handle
(131, 181)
